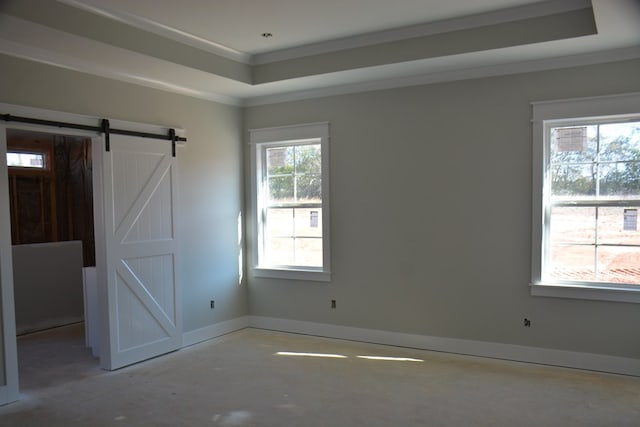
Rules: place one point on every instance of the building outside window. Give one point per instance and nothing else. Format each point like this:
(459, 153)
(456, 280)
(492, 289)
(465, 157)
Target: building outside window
(291, 195)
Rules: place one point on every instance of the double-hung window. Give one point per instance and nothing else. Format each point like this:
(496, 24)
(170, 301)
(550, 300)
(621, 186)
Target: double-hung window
(586, 233)
(291, 196)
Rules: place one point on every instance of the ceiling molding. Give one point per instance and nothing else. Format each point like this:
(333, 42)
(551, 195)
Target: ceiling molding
(549, 7)
(35, 42)
(542, 31)
(45, 57)
(489, 18)
(536, 65)
(617, 38)
(164, 31)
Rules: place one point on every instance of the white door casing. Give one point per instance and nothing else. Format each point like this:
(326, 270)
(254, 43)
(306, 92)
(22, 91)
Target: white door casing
(144, 316)
(8, 351)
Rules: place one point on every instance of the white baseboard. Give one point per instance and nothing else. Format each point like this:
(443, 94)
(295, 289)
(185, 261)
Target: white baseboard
(213, 331)
(519, 353)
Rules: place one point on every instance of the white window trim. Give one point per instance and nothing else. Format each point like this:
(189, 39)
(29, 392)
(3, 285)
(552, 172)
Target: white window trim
(555, 112)
(283, 135)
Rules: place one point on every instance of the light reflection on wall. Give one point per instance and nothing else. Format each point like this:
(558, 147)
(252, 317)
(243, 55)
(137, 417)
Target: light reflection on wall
(240, 250)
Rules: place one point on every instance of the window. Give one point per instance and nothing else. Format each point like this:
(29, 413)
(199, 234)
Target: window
(291, 195)
(22, 159)
(586, 198)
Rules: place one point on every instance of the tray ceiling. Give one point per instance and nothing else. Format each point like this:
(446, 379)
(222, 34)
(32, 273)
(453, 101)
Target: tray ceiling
(216, 49)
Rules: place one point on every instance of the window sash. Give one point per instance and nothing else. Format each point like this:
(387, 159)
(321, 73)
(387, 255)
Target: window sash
(265, 221)
(300, 135)
(550, 201)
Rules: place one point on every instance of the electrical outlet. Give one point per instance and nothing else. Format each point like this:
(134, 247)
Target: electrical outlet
(527, 323)
(212, 304)
(333, 303)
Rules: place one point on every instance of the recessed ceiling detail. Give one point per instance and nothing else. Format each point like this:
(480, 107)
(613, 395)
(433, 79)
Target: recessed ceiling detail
(210, 49)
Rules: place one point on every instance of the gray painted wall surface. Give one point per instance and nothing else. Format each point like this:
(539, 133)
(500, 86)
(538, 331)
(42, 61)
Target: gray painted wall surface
(431, 204)
(47, 285)
(209, 171)
(431, 214)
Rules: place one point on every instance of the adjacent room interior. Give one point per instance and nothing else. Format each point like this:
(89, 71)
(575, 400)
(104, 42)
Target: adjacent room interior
(53, 245)
(425, 200)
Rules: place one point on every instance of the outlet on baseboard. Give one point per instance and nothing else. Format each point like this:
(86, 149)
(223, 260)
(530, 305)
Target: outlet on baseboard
(333, 303)
(212, 304)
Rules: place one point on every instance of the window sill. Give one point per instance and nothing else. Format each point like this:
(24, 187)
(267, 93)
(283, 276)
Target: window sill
(584, 291)
(291, 274)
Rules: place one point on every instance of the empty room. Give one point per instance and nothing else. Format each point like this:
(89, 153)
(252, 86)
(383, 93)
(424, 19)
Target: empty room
(315, 213)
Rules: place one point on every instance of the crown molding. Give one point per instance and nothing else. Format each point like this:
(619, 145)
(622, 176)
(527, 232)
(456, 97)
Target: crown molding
(44, 56)
(36, 42)
(164, 31)
(534, 65)
(549, 7)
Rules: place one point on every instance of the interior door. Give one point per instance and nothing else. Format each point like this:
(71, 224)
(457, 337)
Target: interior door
(143, 304)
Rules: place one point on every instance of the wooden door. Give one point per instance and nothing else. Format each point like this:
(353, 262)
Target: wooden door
(143, 298)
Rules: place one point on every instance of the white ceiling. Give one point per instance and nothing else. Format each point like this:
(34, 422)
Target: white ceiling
(318, 47)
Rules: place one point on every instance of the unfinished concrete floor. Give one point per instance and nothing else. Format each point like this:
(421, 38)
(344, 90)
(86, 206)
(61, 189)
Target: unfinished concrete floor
(241, 380)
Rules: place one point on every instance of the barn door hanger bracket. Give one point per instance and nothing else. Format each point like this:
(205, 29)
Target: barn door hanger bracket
(105, 130)
(172, 137)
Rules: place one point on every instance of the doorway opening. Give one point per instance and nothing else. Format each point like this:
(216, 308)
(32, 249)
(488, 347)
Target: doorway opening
(53, 247)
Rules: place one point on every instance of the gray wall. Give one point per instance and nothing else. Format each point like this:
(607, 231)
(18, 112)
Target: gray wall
(431, 204)
(431, 214)
(47, 285)
(209, 171)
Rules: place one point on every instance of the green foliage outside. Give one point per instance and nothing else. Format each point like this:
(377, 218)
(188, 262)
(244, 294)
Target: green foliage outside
(294, 173)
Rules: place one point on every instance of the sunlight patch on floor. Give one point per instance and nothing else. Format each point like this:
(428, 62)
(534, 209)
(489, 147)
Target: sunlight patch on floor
(341, 356)
(328, 355)
(389, 358)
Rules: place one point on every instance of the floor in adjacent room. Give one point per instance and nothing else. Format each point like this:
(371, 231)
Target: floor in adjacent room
(240, 379)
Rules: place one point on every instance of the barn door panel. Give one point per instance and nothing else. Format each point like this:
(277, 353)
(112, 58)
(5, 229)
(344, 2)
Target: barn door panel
(142, 292)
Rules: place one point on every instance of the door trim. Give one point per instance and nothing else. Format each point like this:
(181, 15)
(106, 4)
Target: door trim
(9, 391)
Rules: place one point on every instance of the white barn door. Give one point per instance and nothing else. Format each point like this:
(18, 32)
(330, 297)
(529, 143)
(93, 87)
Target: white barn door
(143, 300)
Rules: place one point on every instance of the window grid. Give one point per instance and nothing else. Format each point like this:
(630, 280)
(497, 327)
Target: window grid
(597, 201)
(294, 205)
